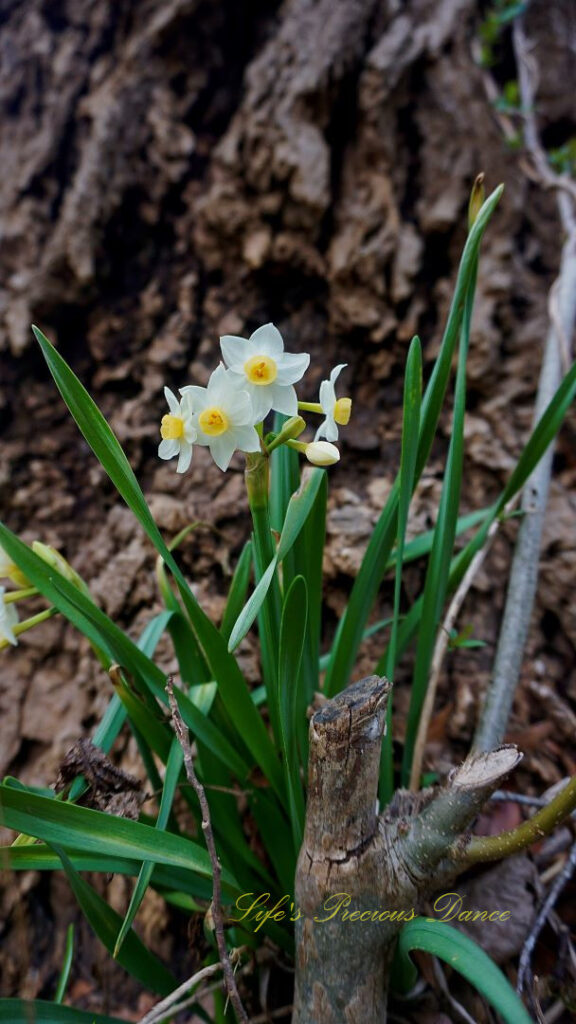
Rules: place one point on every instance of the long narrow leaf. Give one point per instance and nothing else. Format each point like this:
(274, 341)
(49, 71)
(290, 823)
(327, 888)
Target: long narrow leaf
(469, 959)
(238, 590)
(134, 957)
(291, 698)
(409, 452)
(371, 572)
(299, 508)
(173, 767)
(542, 435)
(81, 828)
(437, 576)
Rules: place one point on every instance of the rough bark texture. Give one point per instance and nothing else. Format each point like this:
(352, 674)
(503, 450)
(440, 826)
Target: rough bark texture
(173, 170)
(359, 876)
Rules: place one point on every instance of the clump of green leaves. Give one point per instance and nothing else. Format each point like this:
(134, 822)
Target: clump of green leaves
(246, 740)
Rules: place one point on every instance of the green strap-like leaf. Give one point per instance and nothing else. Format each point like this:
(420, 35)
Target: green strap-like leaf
(299, 508)
(468, 959)
(173, 766)
(437, 576)
(81, 828)
(134, 957)
(291, 697)
(409, 453)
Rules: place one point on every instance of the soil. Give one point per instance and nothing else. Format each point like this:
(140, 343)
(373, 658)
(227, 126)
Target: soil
(174, 171)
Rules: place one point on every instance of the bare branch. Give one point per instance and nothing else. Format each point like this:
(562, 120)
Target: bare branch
(184, 741)
(543, 915)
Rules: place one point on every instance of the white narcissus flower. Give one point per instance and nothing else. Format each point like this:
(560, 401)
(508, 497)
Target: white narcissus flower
(223, 416)
(336, 410)
(263, 369)
(178, 431)
(8, 619)
(322, 453)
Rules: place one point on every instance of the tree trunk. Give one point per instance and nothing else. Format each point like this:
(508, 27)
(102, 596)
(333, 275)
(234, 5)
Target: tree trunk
(360, 877)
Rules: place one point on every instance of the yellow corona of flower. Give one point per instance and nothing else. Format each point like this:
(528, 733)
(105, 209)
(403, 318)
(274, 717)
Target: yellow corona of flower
(262, 368)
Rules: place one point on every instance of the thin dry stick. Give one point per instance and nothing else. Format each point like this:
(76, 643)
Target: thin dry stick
(545, 910)
(160, 1010)
(184, 741)
(524, 571)
(442, 641)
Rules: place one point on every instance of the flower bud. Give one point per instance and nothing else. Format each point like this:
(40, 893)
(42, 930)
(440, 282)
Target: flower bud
(57, 561)
(322, 453)
(477, 196)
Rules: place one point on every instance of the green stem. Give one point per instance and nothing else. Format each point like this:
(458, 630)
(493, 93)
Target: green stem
(34, 620)
(311, 407)
(257, 477)
(487, 848)
(18, 595)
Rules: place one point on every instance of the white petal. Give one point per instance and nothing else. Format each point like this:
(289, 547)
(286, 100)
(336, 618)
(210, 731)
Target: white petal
(198, 396)
(284, 399)
(239, 408)
(185, 457)
(267, 341)
(187, 405)
(8, 619)
(335, 373)
(327, 429)
(235, 351)
(247, 439)
(327, 397)
(173, 403)
(220, 386)
(261, 400)
(292, 366)
(168, 449)
(190, 432)
(222, 449)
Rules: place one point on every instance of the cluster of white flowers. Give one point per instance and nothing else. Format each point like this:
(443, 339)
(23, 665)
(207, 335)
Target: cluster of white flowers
(257, 377)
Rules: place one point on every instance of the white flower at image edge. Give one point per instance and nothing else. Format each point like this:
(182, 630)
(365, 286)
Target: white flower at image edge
(8, 619)
(178, 431)
(224, 417)
(263, 369)
(336, 410)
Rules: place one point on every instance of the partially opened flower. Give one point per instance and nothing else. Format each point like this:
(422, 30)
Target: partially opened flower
(178, 431)
(8, 619)
(263, 369)
(336, 410)
(224, 417)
